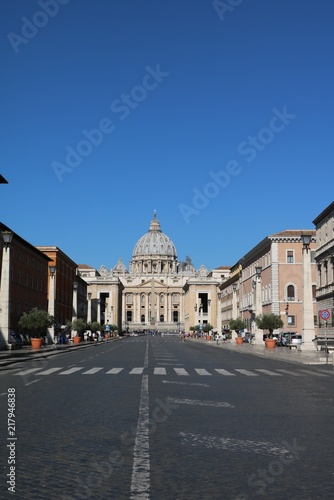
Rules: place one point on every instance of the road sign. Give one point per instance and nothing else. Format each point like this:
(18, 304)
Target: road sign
(325, 314)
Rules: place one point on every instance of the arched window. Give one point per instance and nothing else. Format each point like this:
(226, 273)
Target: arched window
(290, 293)
(162, 318)
(142, 318)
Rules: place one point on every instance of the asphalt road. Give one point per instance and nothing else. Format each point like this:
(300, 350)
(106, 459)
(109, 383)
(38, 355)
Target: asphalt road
(156, 418)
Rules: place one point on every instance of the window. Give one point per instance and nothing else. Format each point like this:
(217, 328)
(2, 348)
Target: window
(290, 293)
(128, 316)
(289, 256)
(291, 320)
(175, 316)
(162, 318)
(129, 298)
(142, 318)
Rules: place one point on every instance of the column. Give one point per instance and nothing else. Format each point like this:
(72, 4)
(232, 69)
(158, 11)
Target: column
(308, 321)
(99, 310)
(51, 304)
(89, 308)
(5, 290)
(74, 305)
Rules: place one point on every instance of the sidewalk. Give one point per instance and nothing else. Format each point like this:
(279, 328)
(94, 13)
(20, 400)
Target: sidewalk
(278, 354)
(26, 353)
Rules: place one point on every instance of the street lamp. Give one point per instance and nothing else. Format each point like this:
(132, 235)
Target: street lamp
(74, 304)
(51, 305)
(258, 304)
(308, 321)
(5, 289)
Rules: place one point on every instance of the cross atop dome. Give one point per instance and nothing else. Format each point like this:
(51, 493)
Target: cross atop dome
(155, 224)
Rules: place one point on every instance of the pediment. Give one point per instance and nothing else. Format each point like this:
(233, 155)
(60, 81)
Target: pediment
(157, 284)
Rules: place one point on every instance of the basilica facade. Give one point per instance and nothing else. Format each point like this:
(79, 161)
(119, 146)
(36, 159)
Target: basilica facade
(158, 291)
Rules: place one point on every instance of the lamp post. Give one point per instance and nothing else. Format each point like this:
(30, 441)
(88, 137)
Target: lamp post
(89, 307)
(51, 305)
(258, 304)
(234, 304)
(74, 305)
(5, 290)
(308, 321)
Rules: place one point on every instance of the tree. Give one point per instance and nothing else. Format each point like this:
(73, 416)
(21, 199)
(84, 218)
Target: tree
(237, 325)
(94, 326)
(207, 328)
(269, 322)
(79, 325)
(36, 321)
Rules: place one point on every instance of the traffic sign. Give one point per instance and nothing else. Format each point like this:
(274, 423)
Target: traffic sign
(325, 314)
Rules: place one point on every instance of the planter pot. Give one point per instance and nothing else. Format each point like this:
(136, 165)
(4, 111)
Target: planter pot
(270, 343)
(76, 340)
(208, 337)
(36, 343)
(239, 340)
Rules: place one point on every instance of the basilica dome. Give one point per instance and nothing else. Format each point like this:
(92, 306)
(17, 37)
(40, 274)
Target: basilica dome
(154, 243)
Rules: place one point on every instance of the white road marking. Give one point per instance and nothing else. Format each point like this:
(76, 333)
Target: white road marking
(159, 371)
(140, 479)
(184, 383)
(202, 371)
(289, 372)
(224, 372)
(92, 371)
(238, 445)
(114, 371)
(25, 372)
(197, 402)
(180, 371)
(71, 370)
(137, 371)
(268, 372)
(247, 373)
(51, 370)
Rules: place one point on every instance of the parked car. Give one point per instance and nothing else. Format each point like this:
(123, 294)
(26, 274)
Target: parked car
(296, 339)
(286, 338)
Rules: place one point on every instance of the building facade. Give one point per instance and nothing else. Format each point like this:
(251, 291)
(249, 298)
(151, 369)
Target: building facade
(270, 278)
(158, 292)
(324, 257)
(64, 275)
(25, 284)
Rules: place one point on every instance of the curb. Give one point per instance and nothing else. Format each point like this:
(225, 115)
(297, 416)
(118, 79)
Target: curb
(49, 351)
(297, 357)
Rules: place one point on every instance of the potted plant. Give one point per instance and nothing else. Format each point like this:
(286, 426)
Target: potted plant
(79, 326)
(94, 327)
(237, 325)
(36, 322)
(269, 322)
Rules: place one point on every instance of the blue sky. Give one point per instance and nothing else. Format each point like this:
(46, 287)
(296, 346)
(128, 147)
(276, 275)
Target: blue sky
(219, 116)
